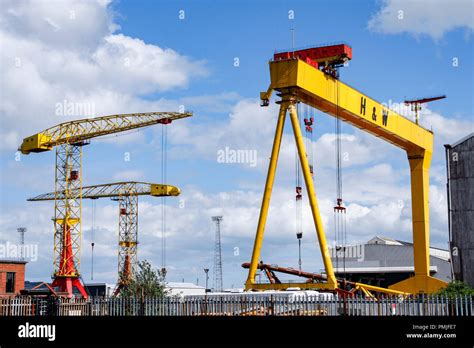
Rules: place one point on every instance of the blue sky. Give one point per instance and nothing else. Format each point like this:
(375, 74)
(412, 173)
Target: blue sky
(77, 51)
(253, 30)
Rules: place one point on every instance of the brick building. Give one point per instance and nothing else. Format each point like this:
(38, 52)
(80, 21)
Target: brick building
(12, 277)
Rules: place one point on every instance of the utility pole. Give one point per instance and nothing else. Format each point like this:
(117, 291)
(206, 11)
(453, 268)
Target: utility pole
(217, 255)
(206, 270)
(21, 231)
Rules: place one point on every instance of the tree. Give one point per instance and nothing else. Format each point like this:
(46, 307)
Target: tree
(147, 282)
(456, 288)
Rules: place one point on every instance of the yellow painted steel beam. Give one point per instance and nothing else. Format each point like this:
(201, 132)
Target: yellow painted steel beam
(324, 92)
(266, 196)
(114, 190)
(80, 130)
(367, 287)
(366, 292)
(127, 244)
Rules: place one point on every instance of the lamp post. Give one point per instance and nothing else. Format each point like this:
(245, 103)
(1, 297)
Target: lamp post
(206, 270)
(21, 231)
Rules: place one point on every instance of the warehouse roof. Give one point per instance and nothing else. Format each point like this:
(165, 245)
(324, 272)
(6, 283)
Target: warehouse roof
(178, 285)
(460, 141)
(19, 261)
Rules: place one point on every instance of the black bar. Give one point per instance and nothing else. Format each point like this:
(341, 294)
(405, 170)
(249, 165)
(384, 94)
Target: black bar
(224, 331)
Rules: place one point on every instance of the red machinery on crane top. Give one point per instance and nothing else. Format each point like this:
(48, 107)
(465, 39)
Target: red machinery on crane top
(319, 55)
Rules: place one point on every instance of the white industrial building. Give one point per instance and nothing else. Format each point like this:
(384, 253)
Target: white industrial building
(184, 289)
(385, 261)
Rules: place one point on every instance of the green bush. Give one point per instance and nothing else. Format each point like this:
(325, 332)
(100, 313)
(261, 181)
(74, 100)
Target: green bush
(147, 282)
(456, 288)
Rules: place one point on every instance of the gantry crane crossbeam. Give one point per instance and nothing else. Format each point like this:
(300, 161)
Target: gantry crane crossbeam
(324, 92)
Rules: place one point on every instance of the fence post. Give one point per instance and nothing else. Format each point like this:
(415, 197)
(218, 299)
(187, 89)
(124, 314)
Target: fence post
(470, 305)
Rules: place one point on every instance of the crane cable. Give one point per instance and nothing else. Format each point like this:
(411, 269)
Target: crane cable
(308, 122)
(93, 238)
(299, 197)
(163, 199)
(340, 233)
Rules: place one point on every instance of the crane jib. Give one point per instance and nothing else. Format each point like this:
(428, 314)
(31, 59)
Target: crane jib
(78, 131)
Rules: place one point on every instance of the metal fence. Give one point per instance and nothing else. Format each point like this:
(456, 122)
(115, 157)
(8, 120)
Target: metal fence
(232, 305)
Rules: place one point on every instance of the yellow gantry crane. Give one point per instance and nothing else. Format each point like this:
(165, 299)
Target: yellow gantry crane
(302, 77)
(126, 193)
(68, 138)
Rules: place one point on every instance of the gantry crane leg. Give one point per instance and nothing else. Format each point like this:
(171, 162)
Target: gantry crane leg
(288, 103)
(67, 219)
(422, 281)
(267, 195)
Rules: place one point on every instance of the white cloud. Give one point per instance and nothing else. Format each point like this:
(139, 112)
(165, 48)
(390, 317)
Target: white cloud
(81, 61)
(70, 24)
(420, 17)
(132, 65)
(439, 214)
(129, 175)
(364, 222)
(356, 149)
(446, 130)
(217, 103)
(248, 126)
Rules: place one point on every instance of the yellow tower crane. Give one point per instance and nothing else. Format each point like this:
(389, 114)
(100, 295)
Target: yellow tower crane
(298, 79)
(126, 193)
(68, 138)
